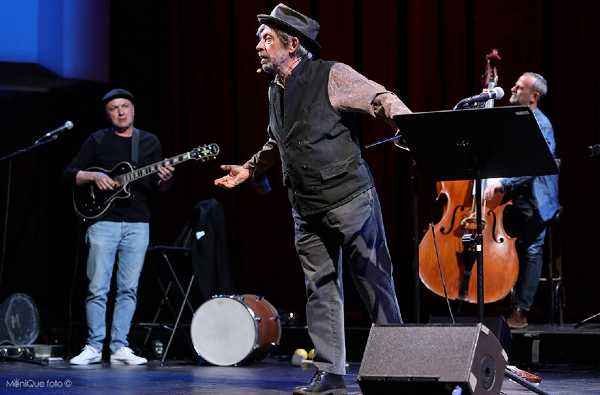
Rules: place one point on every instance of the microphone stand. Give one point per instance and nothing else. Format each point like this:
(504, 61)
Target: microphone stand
(45, 139)
(463, 104)
(388, 140)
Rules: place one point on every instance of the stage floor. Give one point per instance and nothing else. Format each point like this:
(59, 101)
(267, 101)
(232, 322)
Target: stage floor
(269, 377)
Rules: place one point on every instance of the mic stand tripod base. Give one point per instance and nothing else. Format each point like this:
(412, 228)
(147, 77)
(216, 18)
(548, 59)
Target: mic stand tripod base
(582, 322)
(38, 354)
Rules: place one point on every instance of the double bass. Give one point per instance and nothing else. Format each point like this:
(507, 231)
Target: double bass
(448, 251)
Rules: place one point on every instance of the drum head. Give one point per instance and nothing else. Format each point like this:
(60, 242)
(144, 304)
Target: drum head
(19, 320)
(224, 331)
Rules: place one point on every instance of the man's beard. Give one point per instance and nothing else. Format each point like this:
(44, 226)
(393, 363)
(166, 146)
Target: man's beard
(269, 68)
(274, 65)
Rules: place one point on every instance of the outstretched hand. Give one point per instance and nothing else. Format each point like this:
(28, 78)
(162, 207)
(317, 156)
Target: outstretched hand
(235, 176)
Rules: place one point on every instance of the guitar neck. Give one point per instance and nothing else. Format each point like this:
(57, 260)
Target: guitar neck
(152, 168)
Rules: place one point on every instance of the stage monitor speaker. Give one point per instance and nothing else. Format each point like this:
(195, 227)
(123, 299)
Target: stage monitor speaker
(432, 359)
(497, 324)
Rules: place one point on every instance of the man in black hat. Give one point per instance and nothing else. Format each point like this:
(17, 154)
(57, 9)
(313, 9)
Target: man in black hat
(121, 233)
(334, 203)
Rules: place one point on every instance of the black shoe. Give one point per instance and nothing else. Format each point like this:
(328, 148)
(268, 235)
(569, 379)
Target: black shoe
(324, 383)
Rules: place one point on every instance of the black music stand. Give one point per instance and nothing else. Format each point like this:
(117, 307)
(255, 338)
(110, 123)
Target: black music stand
(474, 144)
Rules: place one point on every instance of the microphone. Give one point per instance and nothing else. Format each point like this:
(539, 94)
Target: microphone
(68, 125)
(594, 150)
(496, 93)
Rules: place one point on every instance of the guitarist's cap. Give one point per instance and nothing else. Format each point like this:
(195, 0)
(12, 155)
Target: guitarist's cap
(117, 93)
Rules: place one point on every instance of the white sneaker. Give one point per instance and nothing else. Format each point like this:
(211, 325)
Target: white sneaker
(87, 356)
(124, 356)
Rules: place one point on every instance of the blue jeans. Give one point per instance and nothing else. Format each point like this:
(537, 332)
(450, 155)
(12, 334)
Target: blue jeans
(531, 260)
(125, 243)
(526, 224)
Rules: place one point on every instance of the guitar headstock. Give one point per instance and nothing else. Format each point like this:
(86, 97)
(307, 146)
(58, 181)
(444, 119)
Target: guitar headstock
(205, 152)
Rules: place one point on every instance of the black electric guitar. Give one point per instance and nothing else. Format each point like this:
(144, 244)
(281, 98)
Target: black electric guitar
(91, 202)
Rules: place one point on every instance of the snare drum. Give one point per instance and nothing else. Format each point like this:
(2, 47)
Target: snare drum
(229, 330)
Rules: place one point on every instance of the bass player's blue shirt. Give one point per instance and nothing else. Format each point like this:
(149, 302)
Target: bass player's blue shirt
(544, 189)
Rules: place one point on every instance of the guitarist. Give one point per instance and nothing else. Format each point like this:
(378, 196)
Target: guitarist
(122, 233)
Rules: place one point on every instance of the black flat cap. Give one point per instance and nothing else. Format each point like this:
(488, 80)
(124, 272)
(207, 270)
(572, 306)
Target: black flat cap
(117, 93)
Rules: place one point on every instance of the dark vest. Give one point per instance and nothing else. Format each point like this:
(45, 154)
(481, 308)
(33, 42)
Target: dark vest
(321, 159)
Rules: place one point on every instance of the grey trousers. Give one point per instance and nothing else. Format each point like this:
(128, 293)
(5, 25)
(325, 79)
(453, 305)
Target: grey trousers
(352, 233)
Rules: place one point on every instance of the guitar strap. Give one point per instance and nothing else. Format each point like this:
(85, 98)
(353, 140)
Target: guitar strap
(135, 147)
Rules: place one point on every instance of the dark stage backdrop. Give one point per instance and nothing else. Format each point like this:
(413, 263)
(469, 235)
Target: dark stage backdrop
(191, 65)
